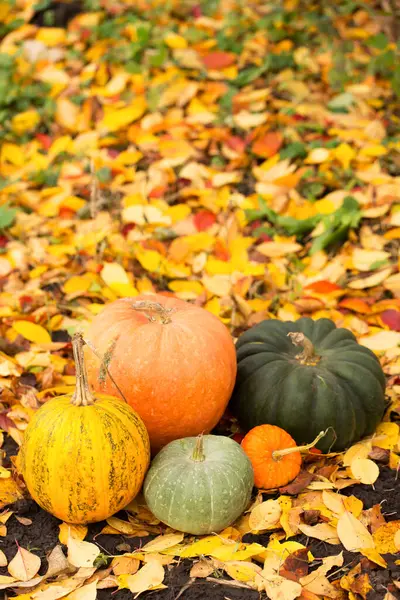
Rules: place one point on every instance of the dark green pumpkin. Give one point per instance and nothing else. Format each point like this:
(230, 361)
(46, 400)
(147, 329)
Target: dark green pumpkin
(306, 388)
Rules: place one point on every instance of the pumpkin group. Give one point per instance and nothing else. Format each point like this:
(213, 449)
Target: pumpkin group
(173, 362)
(199, 485)
(307, 376)
(84, 457)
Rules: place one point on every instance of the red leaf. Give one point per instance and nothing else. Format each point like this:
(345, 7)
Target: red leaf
(391, 318)
(44, 139)
(219, 60)
(204, 219)
(268, 145)
(234, 142)
(322, 287)
(196, 11)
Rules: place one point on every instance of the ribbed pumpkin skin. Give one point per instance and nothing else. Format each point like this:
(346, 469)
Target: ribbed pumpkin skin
(259, 445)
(199, 497)
(84, 463)
(178, 376)
(345, 389)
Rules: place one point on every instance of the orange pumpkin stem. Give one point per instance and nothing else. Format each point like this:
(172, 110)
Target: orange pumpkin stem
(198, 452)
(277, 454)
(82, 395)
(307, 356)
(155, 312)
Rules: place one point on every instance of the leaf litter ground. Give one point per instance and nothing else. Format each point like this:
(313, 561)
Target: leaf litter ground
(242, 157)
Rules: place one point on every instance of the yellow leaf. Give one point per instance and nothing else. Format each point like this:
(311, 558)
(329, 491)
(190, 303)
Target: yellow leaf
(125, 565)
(163, 542)
(32, 332)
(187, 290)
(203, 547)
(397, 539)
(344, 154)
(364, 259)
(242, 570)
(150, 576)
(317, 156)
(365, 470)
(237, 551)
(25, 121)
(24, 565)
(371, 281)
(9, 492)
(276, 249)
(81, 554)
(67, 113)
(77, 283)
(3, 559)
(387, 436)
(115, 276)
(13, 154)
(116, 119)
(175, 41)
(150, 260)
(322, 531)
(384, 537)
(384, 340)
(373, 554)
(86, 592)
(356, 451)
(333, 501)
(353, 534)
(353, 505)
(265, 515)
(51, 36)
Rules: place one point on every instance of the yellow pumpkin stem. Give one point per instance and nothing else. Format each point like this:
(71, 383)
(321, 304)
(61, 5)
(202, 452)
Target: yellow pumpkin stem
(277, 454)
(198, 452)
(82, 395)
(154, 311)
(307, 356)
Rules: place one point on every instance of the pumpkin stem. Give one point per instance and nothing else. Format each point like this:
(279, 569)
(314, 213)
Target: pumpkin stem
(198, 452)
(82, 395)
(154, 311)
(307, 356)
(277, 454)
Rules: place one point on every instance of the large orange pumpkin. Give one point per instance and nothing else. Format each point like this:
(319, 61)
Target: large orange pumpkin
(174, 363)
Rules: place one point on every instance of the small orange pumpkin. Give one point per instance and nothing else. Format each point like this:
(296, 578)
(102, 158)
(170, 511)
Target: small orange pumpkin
(274, 455)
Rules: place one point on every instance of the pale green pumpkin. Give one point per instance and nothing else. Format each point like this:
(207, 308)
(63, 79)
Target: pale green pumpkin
(199, 485)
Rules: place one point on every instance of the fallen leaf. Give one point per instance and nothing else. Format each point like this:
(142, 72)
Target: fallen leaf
(78, 532)
(24, 565)
(202, 568)
(149, 577)
(3, 559)
(163, 542)
(364, 470)
(265, 515)
(353, 534)
(86, 592)
(81, 554)
(384, 537)
(32, 332)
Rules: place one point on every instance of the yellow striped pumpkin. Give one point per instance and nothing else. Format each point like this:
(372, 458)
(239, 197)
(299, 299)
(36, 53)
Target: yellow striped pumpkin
(84, 458)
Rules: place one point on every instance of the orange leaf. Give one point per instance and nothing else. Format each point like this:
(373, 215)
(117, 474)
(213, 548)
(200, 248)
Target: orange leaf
(218, 60)
(268, 145)
(355, 304)
(322, 287)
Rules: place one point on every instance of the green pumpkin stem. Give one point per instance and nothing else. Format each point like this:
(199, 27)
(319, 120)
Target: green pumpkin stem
(277, 454)
(82, 395)
(154, 311)
(307, 356)
(198, 452)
